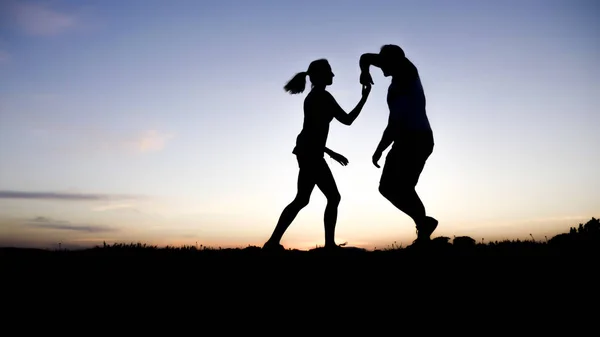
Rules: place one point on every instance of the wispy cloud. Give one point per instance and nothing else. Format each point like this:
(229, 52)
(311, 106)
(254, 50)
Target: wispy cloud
(151, 141)
(40, 20)
(104, 208)
(61, 196)
(48, 223)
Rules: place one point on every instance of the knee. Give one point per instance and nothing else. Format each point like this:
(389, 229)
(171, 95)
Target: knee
(334, 199)
(393, 192)
(301, 201)
(384, 190)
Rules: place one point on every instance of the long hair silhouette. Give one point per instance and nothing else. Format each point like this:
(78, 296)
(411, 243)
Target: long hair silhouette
(317, 69)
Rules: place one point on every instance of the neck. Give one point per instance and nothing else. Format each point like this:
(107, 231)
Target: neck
(319, 87)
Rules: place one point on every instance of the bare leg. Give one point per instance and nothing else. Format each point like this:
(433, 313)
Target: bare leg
(327, 185)
(306, 184)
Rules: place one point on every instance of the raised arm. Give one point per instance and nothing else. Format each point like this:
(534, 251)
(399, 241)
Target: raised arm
(349, 118)
(367, 60)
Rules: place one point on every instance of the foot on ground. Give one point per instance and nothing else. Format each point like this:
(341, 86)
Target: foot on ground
(425, 229)
(273, 247)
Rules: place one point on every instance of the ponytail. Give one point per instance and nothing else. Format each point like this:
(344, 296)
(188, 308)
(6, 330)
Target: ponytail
(297, 84)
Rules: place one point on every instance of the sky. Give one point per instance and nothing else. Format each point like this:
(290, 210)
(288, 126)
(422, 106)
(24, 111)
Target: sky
(166, 122)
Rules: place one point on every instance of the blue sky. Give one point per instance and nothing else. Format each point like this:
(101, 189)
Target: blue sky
(167, 123)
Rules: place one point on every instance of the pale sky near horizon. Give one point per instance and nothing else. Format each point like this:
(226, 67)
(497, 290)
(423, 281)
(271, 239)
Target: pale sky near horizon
(165, 122)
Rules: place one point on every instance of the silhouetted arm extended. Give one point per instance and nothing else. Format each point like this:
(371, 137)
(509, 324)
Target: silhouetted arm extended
(329, 151)
(368, 59)
(349, 118)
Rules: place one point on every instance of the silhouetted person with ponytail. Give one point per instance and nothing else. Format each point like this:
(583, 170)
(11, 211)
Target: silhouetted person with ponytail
(408, 129)
(320, 108)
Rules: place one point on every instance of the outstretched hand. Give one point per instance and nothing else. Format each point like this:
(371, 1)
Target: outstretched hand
(339, 158)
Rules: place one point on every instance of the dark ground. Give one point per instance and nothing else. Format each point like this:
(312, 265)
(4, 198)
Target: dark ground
(495, 285)
(461, 257)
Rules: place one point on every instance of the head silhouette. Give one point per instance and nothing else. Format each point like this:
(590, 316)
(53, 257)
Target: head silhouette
(319, 72)
(392, 58)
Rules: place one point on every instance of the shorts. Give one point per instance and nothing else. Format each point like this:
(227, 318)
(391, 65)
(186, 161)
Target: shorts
(406, 160)
(312, 166)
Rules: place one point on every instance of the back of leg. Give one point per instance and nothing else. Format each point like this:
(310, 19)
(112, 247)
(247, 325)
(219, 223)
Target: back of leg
(399, 178)
(307, 179)
(306, 184)
(326, 183)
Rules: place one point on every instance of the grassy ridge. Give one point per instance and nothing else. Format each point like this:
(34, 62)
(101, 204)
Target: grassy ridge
(582, 240)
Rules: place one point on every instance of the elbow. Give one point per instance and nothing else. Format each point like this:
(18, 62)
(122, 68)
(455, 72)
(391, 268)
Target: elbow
(344, 120)
(362, 61)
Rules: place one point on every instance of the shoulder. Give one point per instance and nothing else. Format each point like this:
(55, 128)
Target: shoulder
(327, 97)
(319, 96)
(321, 93)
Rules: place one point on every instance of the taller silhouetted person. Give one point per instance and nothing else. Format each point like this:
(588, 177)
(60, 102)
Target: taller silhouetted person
(320, 108)
(408, 129)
